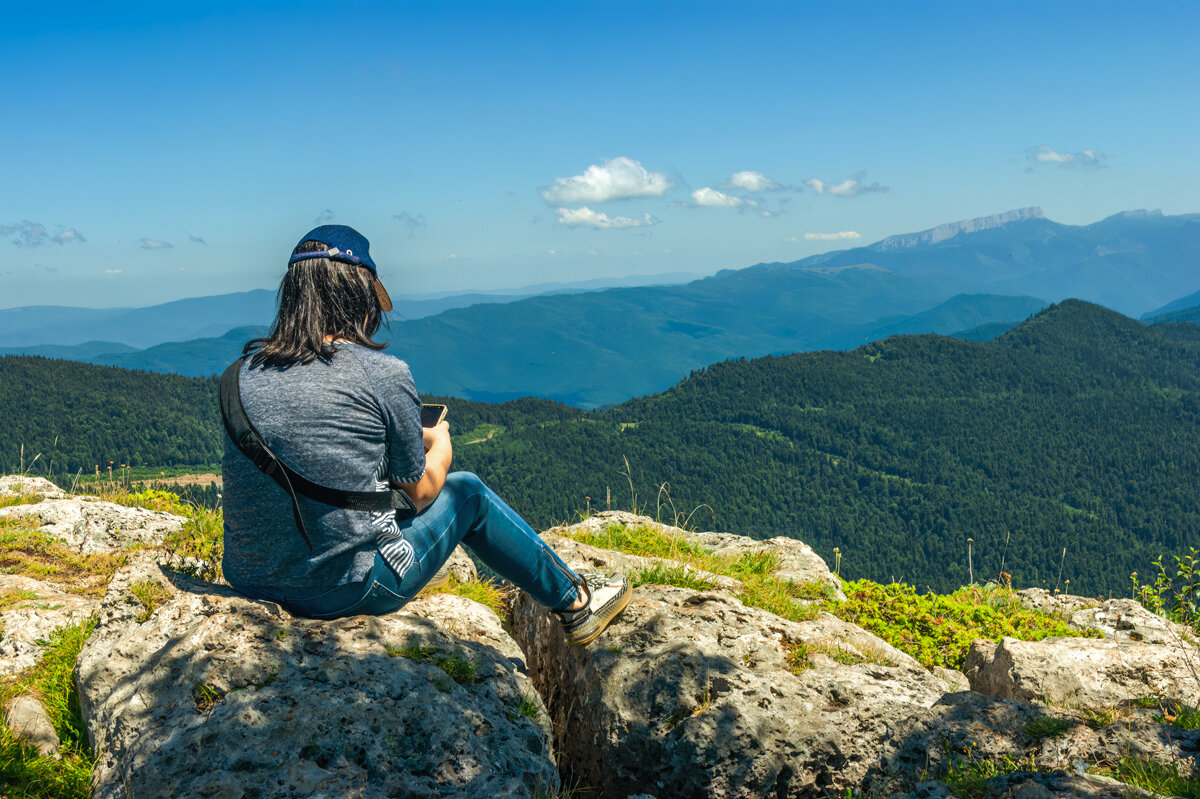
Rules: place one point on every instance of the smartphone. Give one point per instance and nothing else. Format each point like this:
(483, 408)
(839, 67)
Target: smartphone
(432, 415)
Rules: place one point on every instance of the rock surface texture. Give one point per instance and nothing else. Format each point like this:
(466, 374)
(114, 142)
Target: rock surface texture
(216, 695)
(89, 525)
(1083, 672)
(27, 623)
(188, 689)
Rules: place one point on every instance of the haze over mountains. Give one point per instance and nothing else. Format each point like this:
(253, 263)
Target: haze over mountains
(976, 277)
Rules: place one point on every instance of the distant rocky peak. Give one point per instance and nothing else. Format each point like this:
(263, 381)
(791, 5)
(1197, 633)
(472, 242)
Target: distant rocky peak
(951, 229)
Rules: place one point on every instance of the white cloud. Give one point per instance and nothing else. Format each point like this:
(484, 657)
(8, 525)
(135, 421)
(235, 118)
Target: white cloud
(849, 187)
(751, 181)
(845, 234)
(616, 179)
(27, 233)
(713, 198)
(577, 217)
(153, 244)
(113, 271)
(1048, 155)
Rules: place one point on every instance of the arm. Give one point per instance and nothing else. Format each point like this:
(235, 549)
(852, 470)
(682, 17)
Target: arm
(438, 454)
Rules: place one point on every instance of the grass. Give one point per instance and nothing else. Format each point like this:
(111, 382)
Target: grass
(152, 595)
(936, 629)
(1046, 727)
(11, 599)
(1159, 778)
(9, 500)
(755, 570)
(35, 554)
(485, 592)
(798, 656)
(23, 773)
(679, 575)
(202, 538)
(205, 696)
(967, 776)
(1181, 716)
(458, 669)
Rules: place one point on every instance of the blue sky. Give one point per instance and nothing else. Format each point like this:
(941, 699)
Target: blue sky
(157, 151)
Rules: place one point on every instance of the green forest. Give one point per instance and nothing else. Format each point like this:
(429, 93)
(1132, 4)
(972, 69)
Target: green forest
(1066, 449)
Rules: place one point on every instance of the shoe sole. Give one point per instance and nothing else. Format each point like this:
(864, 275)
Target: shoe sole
(622, 603)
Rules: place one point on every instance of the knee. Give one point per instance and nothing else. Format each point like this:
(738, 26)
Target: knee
(465, 483)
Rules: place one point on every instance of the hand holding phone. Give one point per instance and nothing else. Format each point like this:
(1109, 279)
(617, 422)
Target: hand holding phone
(432, 415)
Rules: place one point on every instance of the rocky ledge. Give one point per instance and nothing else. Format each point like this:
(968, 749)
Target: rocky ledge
(188, 689)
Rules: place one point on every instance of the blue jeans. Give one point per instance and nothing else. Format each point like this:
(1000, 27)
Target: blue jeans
(466, 512)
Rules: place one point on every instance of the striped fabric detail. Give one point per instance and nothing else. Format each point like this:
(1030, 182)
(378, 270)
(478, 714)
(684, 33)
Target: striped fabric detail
(396, 551)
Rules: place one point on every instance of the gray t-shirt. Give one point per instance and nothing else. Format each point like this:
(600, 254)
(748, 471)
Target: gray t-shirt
(351, 423)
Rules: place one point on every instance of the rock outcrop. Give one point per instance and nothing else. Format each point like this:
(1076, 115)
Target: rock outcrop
(28, 620)
(188, 689)
(91, 525)
(211, 694)
(1083, 672)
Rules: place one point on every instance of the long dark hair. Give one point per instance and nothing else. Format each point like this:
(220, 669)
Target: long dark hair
(318, 298)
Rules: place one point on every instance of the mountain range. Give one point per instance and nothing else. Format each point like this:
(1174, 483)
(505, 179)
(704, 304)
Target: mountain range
(976, 278)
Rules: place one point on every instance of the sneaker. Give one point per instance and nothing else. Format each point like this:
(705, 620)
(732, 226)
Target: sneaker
(608, 594)
(440, 577)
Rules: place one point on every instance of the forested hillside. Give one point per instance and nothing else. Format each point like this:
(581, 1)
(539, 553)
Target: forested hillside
(1078, 430)
(77, 416)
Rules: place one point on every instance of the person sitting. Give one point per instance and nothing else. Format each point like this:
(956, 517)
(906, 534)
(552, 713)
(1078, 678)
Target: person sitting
(337, 410)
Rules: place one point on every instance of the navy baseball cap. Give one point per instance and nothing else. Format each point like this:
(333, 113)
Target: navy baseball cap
(346, 245)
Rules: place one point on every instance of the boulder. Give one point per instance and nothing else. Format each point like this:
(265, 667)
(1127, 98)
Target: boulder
(1082, 672)
(1045, 600)
(588, 556)
(30, 612)
(91, 525)
(695, 694)
(28, 721)
(26, 485)
(1127, 620)
(797, 561)
(211, 694)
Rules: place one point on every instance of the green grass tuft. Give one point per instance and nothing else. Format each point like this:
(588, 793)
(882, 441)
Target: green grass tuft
(152, 594)
(461, 671)
(23, 773)
(1159, 778)
(937, 630)
(1046, 727)
(680, 576)
(485, 592)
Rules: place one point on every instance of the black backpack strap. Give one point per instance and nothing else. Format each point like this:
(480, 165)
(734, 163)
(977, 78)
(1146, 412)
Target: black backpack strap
(251, 443)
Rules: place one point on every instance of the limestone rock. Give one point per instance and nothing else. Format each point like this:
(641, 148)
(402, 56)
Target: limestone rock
(1082, 672)
(217, 695)
(798, 561)
(28, 720)
(587, 556)
(690, 694)
(27, 485)
(1043, 599)
(1127, 620)
(461, 566)
(91, 525)
(32, 612)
